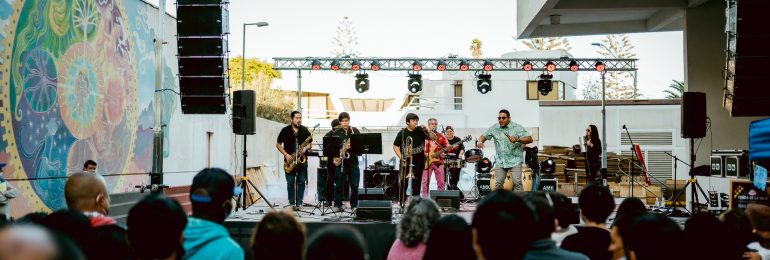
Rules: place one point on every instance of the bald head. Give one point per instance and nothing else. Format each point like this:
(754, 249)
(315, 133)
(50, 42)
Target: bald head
(87, 192)
(26, 242)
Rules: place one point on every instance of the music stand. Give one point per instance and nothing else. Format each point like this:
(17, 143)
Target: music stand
(366, 144)
(331, 149)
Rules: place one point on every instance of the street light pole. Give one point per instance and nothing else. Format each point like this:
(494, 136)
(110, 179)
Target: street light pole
(243, 53)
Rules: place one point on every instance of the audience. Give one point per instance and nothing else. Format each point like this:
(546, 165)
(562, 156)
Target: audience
(87, 193)
(337, 242)
(632, 205)
(759, 215)
(500, 219)
(596, 204)
(566, 215)
(279, 235)
(545, 223)
(739, 228)
(205, 238)
(653, 236)
(77, 227)
(413, 229)
(450, 238)
(705, 229)
(27, 242)
(155, 227)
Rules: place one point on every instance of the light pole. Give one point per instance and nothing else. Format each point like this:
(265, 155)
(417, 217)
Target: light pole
(603, 169)
(243, 61)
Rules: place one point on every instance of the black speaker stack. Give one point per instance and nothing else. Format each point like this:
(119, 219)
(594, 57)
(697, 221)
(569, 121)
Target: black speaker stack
(745, 92)
(202, 55)
(383, 179)
(244, 112)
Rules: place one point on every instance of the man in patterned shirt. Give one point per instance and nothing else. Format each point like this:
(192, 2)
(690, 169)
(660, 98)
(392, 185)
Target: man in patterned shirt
(509, 138)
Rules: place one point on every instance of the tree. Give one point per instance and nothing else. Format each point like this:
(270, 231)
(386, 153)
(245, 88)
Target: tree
(675, 89)
(476, 48)
(272, 104)
(547, 43)
(346, 41)
(618, 85)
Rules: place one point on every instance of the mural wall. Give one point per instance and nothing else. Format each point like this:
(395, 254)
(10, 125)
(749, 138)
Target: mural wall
(78, 82)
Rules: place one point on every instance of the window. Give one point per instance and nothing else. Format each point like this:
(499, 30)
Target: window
(458, 97)
(556, 94)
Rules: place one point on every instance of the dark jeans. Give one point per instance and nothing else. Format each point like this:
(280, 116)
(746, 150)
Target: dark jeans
(454, 178)
(298, 178)
(417, 181)
(352, 173)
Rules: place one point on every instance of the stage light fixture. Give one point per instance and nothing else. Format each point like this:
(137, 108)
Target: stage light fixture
(335, 65)
(526, 66)
(355, 66)
(484, 84)
(417, 66)
(488, 66)
(315, 65)
(545, 85)
(548, 166)
(573, 66)
(415, 83)
(600, 67)
(550, 66)
(464, 66)
(375, 66)
(441, 65)
(362, 82)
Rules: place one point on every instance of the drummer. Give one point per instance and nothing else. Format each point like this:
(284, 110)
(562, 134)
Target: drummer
(452, 160)
(509, 138)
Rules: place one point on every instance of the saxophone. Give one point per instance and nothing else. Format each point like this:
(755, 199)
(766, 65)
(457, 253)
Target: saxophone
(300, 157)
(343, 153)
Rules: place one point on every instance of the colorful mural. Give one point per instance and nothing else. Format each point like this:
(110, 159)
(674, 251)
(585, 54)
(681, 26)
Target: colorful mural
(77, 81)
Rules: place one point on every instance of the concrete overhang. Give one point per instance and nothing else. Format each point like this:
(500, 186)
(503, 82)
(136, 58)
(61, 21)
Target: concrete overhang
(552, 18)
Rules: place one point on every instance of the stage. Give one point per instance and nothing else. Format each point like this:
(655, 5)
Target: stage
(379, 235)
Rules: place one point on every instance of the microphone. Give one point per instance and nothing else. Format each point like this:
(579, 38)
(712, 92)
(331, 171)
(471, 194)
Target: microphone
(316, 126)
(624, 127)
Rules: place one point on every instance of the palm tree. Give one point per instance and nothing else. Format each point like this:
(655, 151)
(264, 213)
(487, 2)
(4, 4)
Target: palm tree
(675, 89)
(476, 48)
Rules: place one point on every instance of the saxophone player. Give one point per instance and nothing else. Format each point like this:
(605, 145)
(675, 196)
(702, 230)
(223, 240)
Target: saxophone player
(288, 143)
(413, 154)
(346, 164)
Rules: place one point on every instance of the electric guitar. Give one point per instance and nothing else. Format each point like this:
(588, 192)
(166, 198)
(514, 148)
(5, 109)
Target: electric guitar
(434, 156)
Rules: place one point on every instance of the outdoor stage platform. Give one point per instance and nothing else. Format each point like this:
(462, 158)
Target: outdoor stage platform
(379, 235)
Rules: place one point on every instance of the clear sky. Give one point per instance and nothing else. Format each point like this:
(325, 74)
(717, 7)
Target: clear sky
(420, 28)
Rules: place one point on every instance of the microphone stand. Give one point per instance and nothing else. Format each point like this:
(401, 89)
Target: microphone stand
(674, 200)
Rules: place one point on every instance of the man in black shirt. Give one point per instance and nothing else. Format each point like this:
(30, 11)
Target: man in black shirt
(417, 138)
(289, 140)
(327, 191)
(596, 204)
(348, 167)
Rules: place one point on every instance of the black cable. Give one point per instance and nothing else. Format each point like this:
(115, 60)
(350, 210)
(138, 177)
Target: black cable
(168, 89)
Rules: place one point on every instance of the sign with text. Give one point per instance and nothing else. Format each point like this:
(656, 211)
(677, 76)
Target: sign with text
(548, 185)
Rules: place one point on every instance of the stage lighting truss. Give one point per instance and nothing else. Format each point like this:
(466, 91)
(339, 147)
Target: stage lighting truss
(599, 66)
(550, 66)
(545, 85)
(573, 66)
(484, 83)
(453, 64)
(488, 65)
(355, 65)
(417, 66)
(362, 82)
(441, 65)
(415, 83)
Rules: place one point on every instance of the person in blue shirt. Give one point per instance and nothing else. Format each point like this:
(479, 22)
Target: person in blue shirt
(204, 237)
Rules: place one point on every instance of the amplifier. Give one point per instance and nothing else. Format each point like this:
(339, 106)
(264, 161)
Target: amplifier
(737, 166)
(374, 210)
(371, 194)
(484, 187)
(446, 198)
(548, 185)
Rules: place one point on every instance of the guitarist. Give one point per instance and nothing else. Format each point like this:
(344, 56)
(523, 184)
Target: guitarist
(457, 148)
(348, 169)
(288, 141)
(434, 163)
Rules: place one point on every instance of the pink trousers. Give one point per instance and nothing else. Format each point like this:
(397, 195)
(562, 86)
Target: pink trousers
(438, 171)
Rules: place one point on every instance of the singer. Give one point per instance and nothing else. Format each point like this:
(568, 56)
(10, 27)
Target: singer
(593, 153)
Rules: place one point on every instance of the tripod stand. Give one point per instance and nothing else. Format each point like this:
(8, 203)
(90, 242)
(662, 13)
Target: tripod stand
(694, 200)
(672, 211)
(245, 184)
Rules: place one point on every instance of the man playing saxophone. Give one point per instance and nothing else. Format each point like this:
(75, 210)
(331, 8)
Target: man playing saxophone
(346, 164)
(289, 140)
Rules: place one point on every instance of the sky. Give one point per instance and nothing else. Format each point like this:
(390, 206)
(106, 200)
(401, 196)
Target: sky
(424, 28)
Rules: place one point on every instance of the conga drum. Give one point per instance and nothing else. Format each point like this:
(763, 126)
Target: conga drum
(507, 184)
(527, 179)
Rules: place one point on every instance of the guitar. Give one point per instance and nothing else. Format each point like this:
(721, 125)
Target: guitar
(288, 166)
(434, 156)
